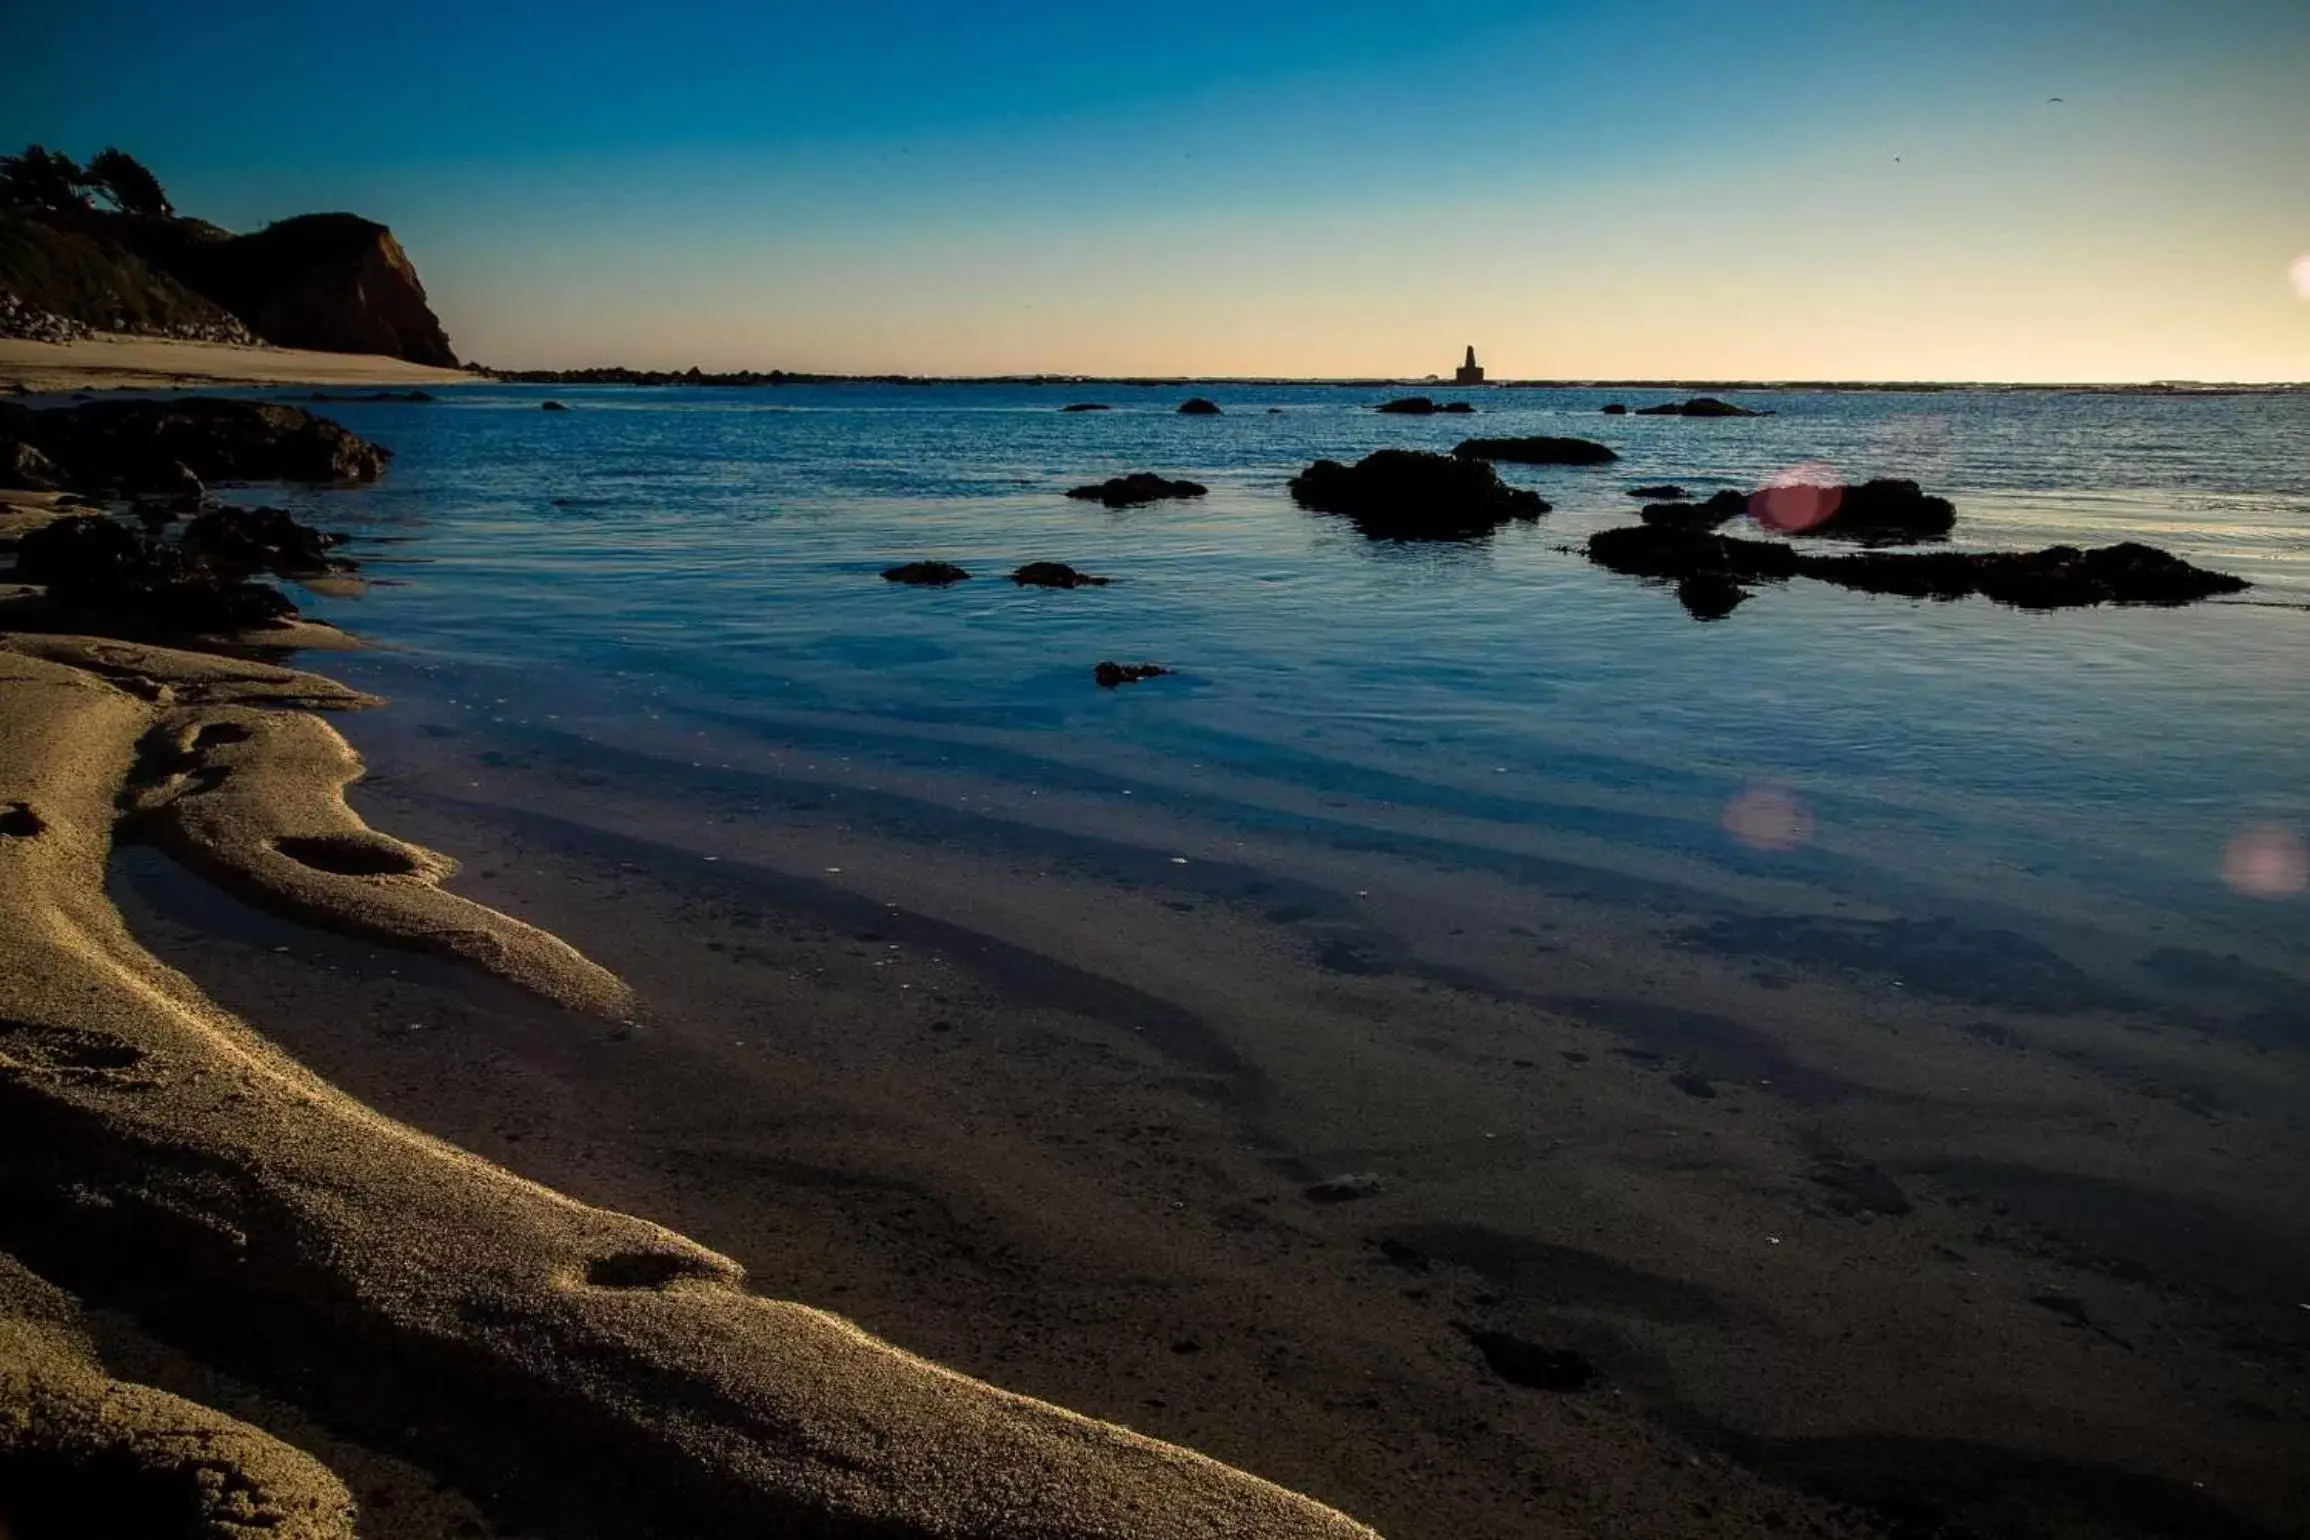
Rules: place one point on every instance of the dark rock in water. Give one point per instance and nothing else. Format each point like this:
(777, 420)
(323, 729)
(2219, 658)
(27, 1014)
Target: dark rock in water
(1054, 574)
(1530, 1365)
(1539, 450)
(1710, 595)
(106, 443)
(1881, 512)
(1698, 406)
(174, 484)
(1136, 490)
(406, 397)
(1346, 1189)
(1111, 674)
(551, 406)
(1666, 492)
(1408, 494)
(1421, 406)
(246, 540)
(104, 565)
(934, 574)
(1087, 406)
(1721, 508)
(1616, 409)
(1198, 407)
(2059, 577)
(1275, 411)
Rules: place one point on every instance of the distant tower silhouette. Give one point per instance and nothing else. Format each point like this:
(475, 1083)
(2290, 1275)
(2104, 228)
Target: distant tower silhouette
(1471, 372)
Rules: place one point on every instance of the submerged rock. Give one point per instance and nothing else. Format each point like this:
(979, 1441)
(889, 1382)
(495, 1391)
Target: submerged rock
(1409, 494)
(1537, 450)
(109, 443)
(934, 574)
(1710, 569)
(1698, 406)
(101, 564)
(1110, 674)
(406, 397)
(1421, 406)
(1137, 489)
(1087, 406)
(1198, 407)
(1054, 574)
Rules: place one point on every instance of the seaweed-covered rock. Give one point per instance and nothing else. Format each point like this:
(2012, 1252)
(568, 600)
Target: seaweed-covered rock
(106, 565)
(1409, 494)
(1421, 406)
(1111, 674)
(1054, 574)
(1881, 512)
(928, 574)
(1136, 490)
(1198, 407)
(109, 443)
(1698, 406)
(263, 540)
(1537, 450)
(1719, 509)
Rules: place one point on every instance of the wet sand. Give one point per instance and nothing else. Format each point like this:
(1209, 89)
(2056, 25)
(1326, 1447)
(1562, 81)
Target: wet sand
(116, 362)
(1687, 1220)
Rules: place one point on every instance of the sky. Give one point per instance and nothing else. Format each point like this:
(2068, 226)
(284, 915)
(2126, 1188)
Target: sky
(1695, 189)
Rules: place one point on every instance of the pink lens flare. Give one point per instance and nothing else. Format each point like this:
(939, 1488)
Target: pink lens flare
(1797, 498)
(2267, 861)
(2300, 273)
(1768, 818)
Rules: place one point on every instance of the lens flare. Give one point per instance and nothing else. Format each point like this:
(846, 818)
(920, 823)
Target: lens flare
(1797, 498)
(2300, 273)
(2267, 861)
(1768, 818)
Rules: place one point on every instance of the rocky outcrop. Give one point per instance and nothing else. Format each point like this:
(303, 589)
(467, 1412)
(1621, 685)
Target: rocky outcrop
(1406, 494)
(1137, 490)
(926, 574)
(105, 444)
(263, 540)
(1882, 512)
(1538, 450)
(1698, 406)
(1055, 574)
(1421, 406)
(98, 564)
(1198, 407)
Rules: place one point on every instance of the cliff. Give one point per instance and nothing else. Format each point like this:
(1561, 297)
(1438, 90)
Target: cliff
(335, 282)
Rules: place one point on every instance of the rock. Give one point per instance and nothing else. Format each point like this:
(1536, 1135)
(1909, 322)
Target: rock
(106, 443)
(246, 540)
(1708, 566)
(1666, 492)
(1137, 489)
(932, 574)
(1111, 674)
(104, 565)
(1530, 1365)
(1198, 407)
(1540, 450)
(1087, 406)
(172, 484)
(1054, 574)
(1882, 512)
(1698, 406)
(1346, 1189)
(551, 406)
(26, 465)
(1721, 508)
(1408, 494)
(406, 397)
(1616, 409)
(1422, 406)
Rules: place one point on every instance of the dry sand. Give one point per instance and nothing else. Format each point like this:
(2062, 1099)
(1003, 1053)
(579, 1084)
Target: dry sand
(157, 1153)
(114, 362)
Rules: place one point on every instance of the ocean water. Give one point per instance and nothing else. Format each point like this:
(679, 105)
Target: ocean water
(654, 565)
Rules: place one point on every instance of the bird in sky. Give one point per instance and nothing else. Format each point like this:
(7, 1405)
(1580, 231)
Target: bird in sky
(2053, 101)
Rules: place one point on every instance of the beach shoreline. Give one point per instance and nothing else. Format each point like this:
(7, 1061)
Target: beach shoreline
(112, 361)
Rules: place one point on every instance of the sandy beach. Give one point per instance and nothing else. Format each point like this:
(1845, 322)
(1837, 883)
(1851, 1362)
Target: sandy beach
(113, 362)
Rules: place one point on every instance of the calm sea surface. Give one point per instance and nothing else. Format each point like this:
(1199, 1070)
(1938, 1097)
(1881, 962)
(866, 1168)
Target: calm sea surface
(656, 564)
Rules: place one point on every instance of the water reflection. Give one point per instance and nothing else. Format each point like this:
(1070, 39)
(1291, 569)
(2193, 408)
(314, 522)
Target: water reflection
(2267, 861)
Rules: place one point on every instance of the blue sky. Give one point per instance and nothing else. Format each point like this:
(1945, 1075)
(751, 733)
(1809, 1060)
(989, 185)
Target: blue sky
(1689, 187)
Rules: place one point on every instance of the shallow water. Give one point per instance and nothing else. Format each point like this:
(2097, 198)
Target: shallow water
(659, 564)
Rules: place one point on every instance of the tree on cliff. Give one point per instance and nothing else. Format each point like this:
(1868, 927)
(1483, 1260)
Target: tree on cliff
(42, 178)
(124, 182)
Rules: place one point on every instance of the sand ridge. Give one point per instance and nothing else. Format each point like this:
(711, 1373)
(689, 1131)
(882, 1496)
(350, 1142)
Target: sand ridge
(145, 1134)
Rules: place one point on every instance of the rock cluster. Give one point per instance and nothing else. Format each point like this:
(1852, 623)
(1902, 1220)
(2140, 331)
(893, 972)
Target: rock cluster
(1538, 450)
(1137, 490)
(102, 564)
(1422, 406)
(107, 444)
(1408, 494)
(1698, 406)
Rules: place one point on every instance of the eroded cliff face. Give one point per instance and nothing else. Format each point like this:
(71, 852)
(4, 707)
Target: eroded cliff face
(335, 282)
